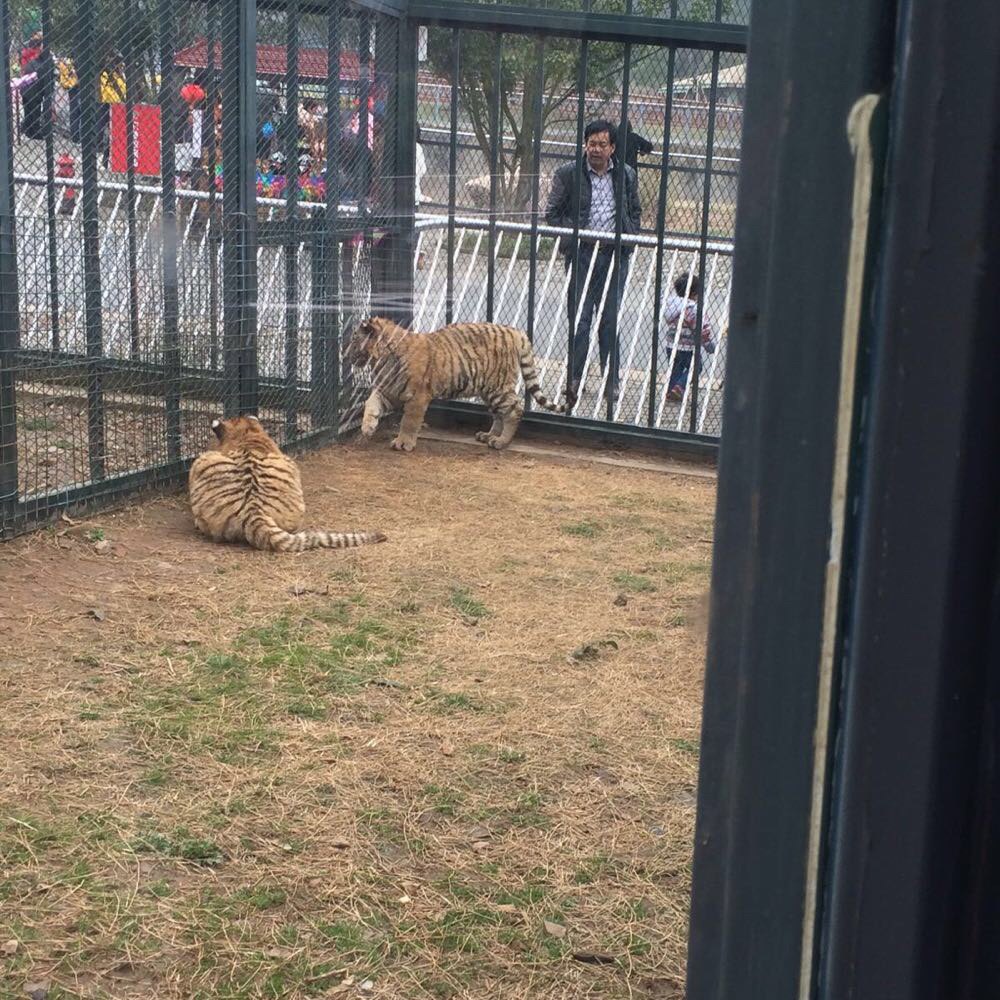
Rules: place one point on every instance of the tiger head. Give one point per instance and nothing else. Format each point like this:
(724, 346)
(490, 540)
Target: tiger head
(241, 431)
(371, 341)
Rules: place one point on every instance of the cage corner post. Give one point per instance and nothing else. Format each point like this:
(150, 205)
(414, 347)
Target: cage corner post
(239, 204)
(168, 200)
(89, 77)
(9, 321)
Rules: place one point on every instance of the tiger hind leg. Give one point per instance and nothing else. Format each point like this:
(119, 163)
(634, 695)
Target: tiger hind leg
(509, 409)
(493, 432)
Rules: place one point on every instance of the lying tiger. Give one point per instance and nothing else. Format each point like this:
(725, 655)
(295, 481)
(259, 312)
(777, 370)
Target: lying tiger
(249, 490)
(464, 359)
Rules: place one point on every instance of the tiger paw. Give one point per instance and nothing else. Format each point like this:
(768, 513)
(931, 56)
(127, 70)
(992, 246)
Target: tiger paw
(495, 442)
(398, 444)
(368, 427)
(483, 436)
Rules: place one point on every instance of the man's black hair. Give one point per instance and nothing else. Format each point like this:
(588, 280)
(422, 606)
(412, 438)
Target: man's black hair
(596, 127)
(680, 285)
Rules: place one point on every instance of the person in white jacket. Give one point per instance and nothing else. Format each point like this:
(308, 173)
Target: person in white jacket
(678, 304)
(419, 172)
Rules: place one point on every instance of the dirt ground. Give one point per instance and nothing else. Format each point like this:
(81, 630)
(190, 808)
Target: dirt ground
(458, 764)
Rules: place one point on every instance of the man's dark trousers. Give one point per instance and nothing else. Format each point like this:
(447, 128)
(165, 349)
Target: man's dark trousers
(607, 330)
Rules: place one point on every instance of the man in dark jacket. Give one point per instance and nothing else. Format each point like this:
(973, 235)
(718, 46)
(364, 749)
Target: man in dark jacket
(635, 146)
(598, 206)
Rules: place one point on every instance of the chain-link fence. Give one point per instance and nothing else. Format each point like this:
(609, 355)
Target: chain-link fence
(199, 200)
(611, 271)
(192, 197)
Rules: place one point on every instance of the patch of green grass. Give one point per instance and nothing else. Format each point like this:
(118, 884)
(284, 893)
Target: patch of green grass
(592, 868)
(261, 897)
(89, 715)
(455, 887)
(361, 941)
(521, 896)
(95, 535)
(551, 947)
(155, 777)
(161, 889)
(508, 564)
(38, 424)
(24, 837)
(506, 755)
(306, 710)
(629, 501)
(582, 529)
(97, 827)
(232, 702)
(449, 702)
(634, 909)
(527, 810)
(443, 801)
(639, 946)
(461, 930)
(634, 582)
(662, 540)
(462, 600)
(386, 827)
(692, 747)
(78, 875)
(288, 936)
(180, 845)
(678, 571)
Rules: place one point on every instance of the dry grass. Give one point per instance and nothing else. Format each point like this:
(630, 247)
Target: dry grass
(374, 774)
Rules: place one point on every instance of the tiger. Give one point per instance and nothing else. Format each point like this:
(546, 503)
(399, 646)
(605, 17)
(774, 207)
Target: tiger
(463, 359)
(247, 489)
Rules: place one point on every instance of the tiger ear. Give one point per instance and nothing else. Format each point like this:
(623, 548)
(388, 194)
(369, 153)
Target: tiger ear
(218, 429)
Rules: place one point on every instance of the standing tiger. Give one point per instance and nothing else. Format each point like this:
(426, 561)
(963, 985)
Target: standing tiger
(248, 490)
(464, 359)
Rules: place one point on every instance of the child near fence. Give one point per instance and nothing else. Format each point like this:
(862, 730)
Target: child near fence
(683, 302)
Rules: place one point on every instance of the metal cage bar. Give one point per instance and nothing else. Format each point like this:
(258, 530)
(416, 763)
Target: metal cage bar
(456, 56)
(661, 216)
(694, 376)
(89, 206)
(239, 209)
(496, 123)
(52, 202)
(169, 120)
(9, 318)
(291, 138)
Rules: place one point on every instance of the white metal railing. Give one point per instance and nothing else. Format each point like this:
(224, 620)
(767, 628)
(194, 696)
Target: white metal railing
(470, 268)
(551, 322)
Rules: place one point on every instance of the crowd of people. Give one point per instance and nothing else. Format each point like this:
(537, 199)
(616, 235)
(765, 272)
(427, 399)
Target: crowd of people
(52, 105)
